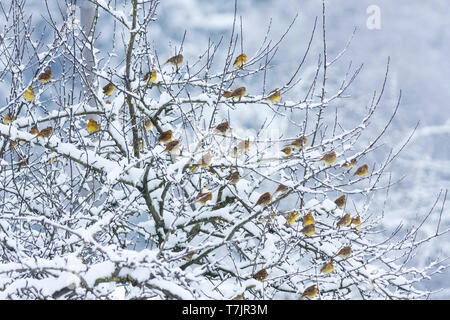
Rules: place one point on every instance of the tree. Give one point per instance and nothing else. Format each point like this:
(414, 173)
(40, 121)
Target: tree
(133, 179)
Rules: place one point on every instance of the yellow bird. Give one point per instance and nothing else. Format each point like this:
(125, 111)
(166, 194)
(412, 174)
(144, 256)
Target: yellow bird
(260, 275)
(309, 230)
(165, 136)
(204, 197)
(147, 125)
(150, 77)
(344, 253)
(362, 171)
(327, 268)
(274, 95)
(175, 60)
(226, 94)
(310, 292)
(233, 177)
(108, 89)
(193, 168)
(9, 118)
(222, 128)
(238, 93)
(264, 200)
(349, 165)
(357, 222)
(173, 146)
(287, 151)
(34, 130)
(240, 60)
(45, 133)
(29, 94)
(205, 160)
(282, 189)
(340, 202)
(329, 158)
(45, 76)
(240, 296)
(240, 149)
(345, 221)
(291, 217)
(92, 126)
(299, 143)
(308, 219)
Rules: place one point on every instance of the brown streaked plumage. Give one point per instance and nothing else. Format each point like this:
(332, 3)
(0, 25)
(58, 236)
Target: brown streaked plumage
(240, 60)
(310, 292)
(238, 93)
(45, 76)
(357, 222)
(233, 177)
(344, 221)
(349, 165)
(309, 230)
(327, 268)
(340, 202)
(9, 118)
(274, 95)
(299, 143)
(282, 189)
(205, 160)
(173, 146)
(287, 151)
(45, 133)
(175, 60)
(150, 76)
(308, 219)
(204, 197)
(34, 130)
(165, 136)
(222, 128)
(344, 253)
(108, 89)
(261, 275)
(329, 158)
(362, 171)
(264, 200)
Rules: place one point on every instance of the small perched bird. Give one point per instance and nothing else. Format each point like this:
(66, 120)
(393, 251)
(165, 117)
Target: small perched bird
(150, 76)
(92, 126)
(34, 130)
(165, 136)
(362, 171)
(29, 94)
(329, 158)
(274, 95)
(308, 219)
(147, 124)
(9, 118)
(13, 145)
(240, 296)
(349, 165)
(22, 162)
(175, 60)
(205, 160)
(344, 221)
(233, 177)
(260, 275)
(310, 292)
(238, 93)
(45, 76)
(240, 149)
(357, 222)
(204, 197)
(45, 133)
(291, 217)
(282, 189)
(108, 89)
(140, 143)
(264, 200)
(299, 143)
(344, 253)
(240, 60)
(340, 202)
(287, 151)
(173, 146)
(309, 230)
(222, 128)
(226, 94)
(327, 268)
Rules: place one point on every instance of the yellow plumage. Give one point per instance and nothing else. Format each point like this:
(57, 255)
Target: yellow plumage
(299, 143)
(309, 230)
(92, 126)
(275, 96)
(327, 268)
(308, 219)
(108, 89)
(329, 158)
(150, 77)
(240, 60)
(261, 275)
(291, 217)
(9, 118)
(287, 151)
(362, 171)
(310, 292)
(45, 76)
(345, 221)
(349, 165)
(29, 94)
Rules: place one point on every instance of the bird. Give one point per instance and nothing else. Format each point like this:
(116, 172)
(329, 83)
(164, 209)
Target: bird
(282, 189)
(345, 221)
(357, 222)
(226, 94)
(45, 133)
(238, 93)
(22, 161)
(340, 202)
(92, 126)
(140, 143)
(150, 76)
(362, 171)
(308, 219)
(173, 146)
(222, 128)
(349, 165)
(310, 292)
(241, 148)
(205, 160)
(240, 60)
(261, 275)
(344, 253)
(45, 76)
(240, 296)
(13, 145)
(34, 130)
(204, 197)
(147, 124)
(329, 158)
(327, 268)
(299, 143)
(287, 151)
(233, 177)
(9, 118)
(309, 230)
(29, 94)
(274, 95)
(108, 89)
(165, 136)
(175, 60)
(291, 217)
(264, 200)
